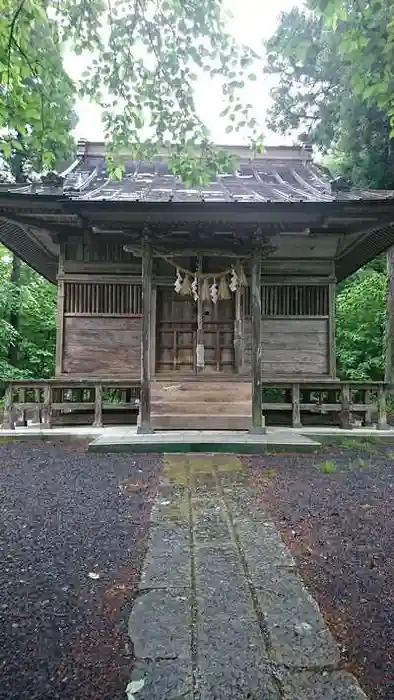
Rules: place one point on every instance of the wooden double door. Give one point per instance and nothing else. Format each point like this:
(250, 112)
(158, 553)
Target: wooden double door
(176, 334)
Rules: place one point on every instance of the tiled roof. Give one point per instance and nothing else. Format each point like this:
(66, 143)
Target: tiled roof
(279, 175)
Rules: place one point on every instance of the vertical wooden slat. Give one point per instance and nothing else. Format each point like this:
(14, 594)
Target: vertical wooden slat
(145, 407)
(257, 413)
(96, 298)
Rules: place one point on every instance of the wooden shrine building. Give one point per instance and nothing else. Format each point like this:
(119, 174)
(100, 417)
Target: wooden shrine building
(200, 296)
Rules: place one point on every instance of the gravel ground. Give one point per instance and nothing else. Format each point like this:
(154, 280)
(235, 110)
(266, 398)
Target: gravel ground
(336, 512)
(65, 514)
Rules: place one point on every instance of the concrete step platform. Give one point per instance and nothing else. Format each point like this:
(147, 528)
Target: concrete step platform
(242, 442)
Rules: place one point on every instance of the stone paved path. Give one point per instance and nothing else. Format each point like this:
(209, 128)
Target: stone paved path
(222, 613)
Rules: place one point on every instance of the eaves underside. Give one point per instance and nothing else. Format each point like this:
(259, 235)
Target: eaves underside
(22, 241)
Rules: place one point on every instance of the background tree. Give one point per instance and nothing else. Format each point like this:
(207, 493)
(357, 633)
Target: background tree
(365, 33)
(35, 335)
(315, 95)
(36, 122)
(144, 59)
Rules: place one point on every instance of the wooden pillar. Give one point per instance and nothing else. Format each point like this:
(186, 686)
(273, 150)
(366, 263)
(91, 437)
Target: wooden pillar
(238, 340)
(332, 355)
(60, 314)
(200, 353)
(255, 292)
(145, 425)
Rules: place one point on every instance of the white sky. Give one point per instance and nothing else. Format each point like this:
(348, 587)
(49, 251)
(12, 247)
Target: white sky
(253, 21)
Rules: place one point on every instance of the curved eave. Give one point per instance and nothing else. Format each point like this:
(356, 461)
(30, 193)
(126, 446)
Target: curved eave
(373, 244)
(18, 241)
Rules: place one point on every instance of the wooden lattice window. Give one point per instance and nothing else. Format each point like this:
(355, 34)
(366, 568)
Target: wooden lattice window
(291, 300)
(104, 299)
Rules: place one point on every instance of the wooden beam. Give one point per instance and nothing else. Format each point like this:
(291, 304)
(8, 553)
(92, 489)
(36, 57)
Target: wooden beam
(257, 399)
(145, 425)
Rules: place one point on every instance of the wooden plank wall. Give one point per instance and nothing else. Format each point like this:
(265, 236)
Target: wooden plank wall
(101, 328)
(296, 330)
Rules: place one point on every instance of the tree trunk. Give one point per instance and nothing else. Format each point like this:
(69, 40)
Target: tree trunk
(389, 369)
(14, 318)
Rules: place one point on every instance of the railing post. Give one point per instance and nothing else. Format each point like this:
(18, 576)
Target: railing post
(368, 411)
(98, 406)
(21, 416)
(296, 419)
(346, 409)
(37, 410)
(8, 419)
(47, 406)
(382, 411)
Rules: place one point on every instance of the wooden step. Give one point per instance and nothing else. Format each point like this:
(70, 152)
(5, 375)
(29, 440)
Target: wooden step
(236, 408)
(201, 391)
(202, 405)
(200, 422)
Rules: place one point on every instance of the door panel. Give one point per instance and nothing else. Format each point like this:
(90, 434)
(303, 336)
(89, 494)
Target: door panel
(218, 325)
(176, 332)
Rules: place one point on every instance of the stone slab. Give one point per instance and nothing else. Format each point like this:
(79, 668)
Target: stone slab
(170, 570)
(209, 522)
(221, 586)
(232, 659)
(160, 626)
(311, 685)
(262, 546)
(164, 680)
(297, 632)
